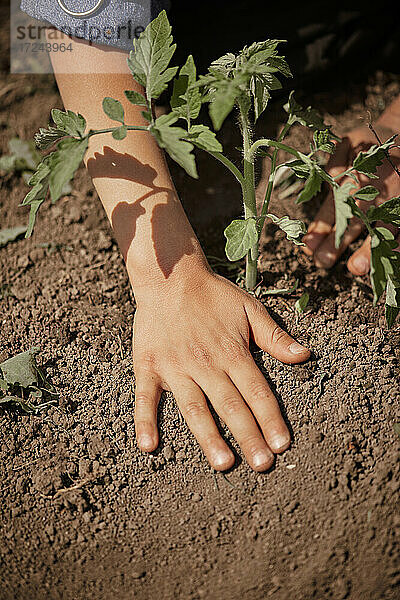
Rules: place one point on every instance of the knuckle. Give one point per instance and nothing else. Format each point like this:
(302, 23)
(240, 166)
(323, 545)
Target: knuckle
(194, 409)
(144, 363)
(235, 350)
(258, 390)
(277, 335)
(231, 405)
(143, 400)
(200, 354)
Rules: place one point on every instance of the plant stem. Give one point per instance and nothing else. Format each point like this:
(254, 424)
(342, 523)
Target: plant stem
(249, 198)
(229, 165)
(271, 178)
(129, 128)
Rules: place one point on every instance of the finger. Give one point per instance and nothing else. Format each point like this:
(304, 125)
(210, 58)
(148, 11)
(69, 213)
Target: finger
(193, 406)
(147, 397)
(321, 226)
(327, 254)
(325, 217)
(360, 261)
(232, 409)
(271, 338)
(255, 390)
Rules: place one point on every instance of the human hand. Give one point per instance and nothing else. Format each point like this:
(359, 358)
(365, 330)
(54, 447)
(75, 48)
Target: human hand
(195, 343)
(320, 239)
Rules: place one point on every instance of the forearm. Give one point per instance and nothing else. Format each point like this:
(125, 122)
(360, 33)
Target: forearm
(131, 176)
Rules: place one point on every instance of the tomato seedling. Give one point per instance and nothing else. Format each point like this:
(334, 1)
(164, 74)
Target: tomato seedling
(243, 83)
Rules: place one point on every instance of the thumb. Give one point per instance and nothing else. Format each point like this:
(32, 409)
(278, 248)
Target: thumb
(271, 338)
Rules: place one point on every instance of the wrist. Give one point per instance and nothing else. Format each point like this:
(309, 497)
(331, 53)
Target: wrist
(151, 283)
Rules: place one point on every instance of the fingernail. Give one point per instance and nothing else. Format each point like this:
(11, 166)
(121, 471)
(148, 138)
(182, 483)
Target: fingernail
(325, 259)
(222, 459)
(146, 441)
(262, 459)
(296, 348)
(279, 441)
(361, 264)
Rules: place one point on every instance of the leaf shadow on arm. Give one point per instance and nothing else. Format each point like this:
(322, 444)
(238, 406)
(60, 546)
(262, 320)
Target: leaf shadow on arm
(169, 249)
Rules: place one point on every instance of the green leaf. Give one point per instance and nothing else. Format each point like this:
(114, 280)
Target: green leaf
(293, 228)
(172, 139)
(300, 168)
(147, 115)
(343, 211)
(241, 235)
(46, 138)
(367, 193)
(21, 369)
(202, 137)
(225, 64)
(388, 211)
(368, 162)
(34, 207)
(311, 188)
(136, 98)
(113, 109)
(120, 133)
(260, 95)
(63, 164)
(323, 141)
(308, 117)
(385, 262)
(223, 98)
(302, 303)
(151, 56)
(72, 123)
(9, 235)
(186, 100)
(392, 304)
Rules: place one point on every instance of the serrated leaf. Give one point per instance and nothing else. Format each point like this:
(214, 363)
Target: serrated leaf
(241, 235)
(11, 234)
(21, 369)
(186, 100)
(323, 142)
(224, 64)
(151, 56)
(34, 207)
(63, 164)
(260, 95)
(368, 162)
(343, 211)
(385, 262)
(302, 303)
(388, 211)
(202, 137)
(300, 168)
(46, 138)
(293, 228)
(72, 123)
(172, 139)
(113, 109)
(311, 188)
(136, 98)
(309, 117)
(367, 193)
(392, 303)
(223, 97)
(120, 133)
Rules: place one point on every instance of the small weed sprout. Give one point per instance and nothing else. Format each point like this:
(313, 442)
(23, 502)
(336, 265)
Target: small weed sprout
(244, 83)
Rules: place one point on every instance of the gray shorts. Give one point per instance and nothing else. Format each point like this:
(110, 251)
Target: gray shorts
(114, 22)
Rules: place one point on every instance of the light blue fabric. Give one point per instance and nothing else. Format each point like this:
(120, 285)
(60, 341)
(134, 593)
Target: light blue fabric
(116, 23)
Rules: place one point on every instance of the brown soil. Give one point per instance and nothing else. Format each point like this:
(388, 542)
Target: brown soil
(85, 515)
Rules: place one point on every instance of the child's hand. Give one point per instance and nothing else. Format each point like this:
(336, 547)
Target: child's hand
(320, 239)
(195, 343)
